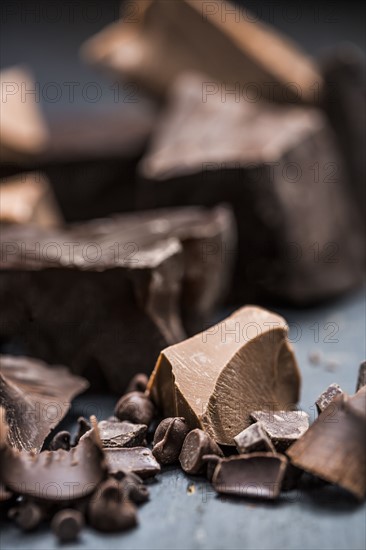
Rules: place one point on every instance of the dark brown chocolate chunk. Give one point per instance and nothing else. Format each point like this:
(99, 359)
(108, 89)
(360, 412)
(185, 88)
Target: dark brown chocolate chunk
(282, 427)
(256, 475)
(138, 460)
(211, 461)
(168, 439)
(134, 489)
(253, 439)
(62, 440)
(196, 445)
(121, 434)
(27, 515)
(108, 511)
(135, 407)
(333, 448)
(35, 397)
(67, 524)
(361, 380)
(83, 427)
(327, 397)
(138, 383)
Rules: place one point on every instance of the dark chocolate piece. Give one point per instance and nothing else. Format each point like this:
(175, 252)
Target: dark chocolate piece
(211, 461)
(134, 489)
(35, 398)
(138, 383)
(253, 439)
(62, 440)
(196, 445)
(280, 169)
(327, 397)
(256, 475)
(334, 446)
(292, 477)
(121, 434)
(194, 379)
(135, 407)
(282, 427)
(138, 460)
(67, 525)
(361, 380)
(168, 439)
(83, 427)
(108, 511)
(27, 515)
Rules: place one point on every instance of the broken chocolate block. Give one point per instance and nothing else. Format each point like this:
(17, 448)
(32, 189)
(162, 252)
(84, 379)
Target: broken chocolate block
(121, 434)
(327, 397)
(334, 446)
(280, 170)
(256, 475)
(197, 444)
(137, 460)
(282, 427)
(35, 398)
(194, 379)
(253, 439)
(164, 39)
(361, 380)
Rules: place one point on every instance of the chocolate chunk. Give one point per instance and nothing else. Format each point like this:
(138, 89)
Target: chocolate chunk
(361, 380)
(108, 511)
(180, 36)
(83, 427)
(134, 489)
(67, 525)
(196, 445)
(35, 398)
(138, 383)
(28, 515)
(211, 461)
(121, 434)
(282, 427)
(253, 439)
(327, 397)
(138, 460)
(135, 407)
(256, 475)
(194, 379)
(168, 439)
(264, 168)
(292, 477)
(334, 446)
(54, 475)
(62, 440)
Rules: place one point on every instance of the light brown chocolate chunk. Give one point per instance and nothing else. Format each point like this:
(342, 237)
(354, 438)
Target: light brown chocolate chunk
(194, 378)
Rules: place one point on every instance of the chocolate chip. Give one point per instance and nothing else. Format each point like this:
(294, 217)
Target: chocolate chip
(62, 440)
(134, 489)
(108, 511)
(253, 439)
(169, 438)
(195, 446)
(67, 524)
(136, 408)
(28, 515)
(327, 397)
(138, 383)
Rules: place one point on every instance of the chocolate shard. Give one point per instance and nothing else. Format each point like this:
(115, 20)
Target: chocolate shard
(282, 427)
(168, 38)
(23, 130)
(56, 476)
(193, 379)
(253, 439)
(197, 444)
(256, 475)
(168, 439)
(361, 380)
(35, 398)
(265, 170)
(137, 460)
(121, 434)
(327, 397)
(334, 446)
(28, 198)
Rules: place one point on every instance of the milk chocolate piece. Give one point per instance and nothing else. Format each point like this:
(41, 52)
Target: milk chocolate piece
(280, 169)
(253, 439)
(135, 407)
(108, 511)
(138, 460)
(62, 440)
(327, 397)
(121, 434)
(167, 38)
(361, 380)
(256, 475)
(194, 379)
(168, 440)
(35, 398)
(138, 383)
(282, 427)
(334, 446)
(28, 198)
(197, 444)
(67, 524)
